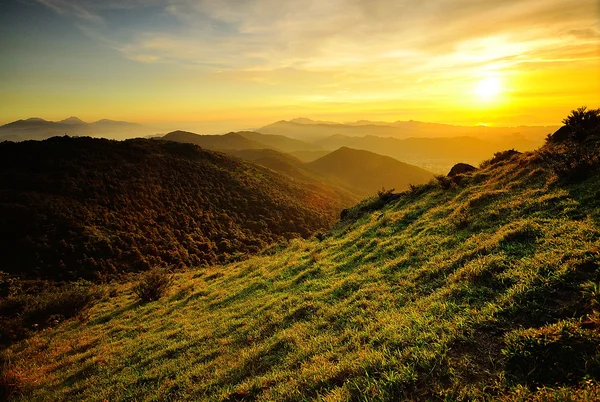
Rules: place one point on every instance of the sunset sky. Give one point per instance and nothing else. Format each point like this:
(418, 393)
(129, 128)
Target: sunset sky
(233, 64)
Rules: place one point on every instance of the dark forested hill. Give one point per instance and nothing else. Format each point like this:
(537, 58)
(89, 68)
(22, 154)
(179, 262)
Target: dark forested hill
(82, 207)
(367, 172)
(215, 142)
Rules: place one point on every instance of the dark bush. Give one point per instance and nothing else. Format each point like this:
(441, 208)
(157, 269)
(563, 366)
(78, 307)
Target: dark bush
(500, 157)
(573, 152)
(42, 306)
(444, 181)
(153, 284)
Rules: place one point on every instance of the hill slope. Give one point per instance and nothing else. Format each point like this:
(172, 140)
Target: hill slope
(482, 290)
(368, 172)
(280, 142)
(434, 154)
(74, 207)
(215, 142)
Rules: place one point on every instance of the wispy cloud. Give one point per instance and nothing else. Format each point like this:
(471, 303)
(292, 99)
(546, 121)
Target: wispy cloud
(316, 34)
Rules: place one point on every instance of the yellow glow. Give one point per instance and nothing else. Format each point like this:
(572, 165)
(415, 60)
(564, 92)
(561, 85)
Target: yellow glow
(488, 88)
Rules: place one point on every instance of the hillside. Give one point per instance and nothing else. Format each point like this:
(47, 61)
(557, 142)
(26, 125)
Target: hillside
(297, 170)
(230, 141)
(366, 172)
(309, 156)
(40, 129)
(275, 160)
(434, 154)
(72, 207)
(280, 142)
(484, 287)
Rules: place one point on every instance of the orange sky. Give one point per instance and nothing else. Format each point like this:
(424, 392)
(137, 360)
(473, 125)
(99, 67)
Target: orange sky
(233, 64)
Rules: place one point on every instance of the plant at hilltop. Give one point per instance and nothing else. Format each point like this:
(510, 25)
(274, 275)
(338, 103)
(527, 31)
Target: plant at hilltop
(574, 150)
(581, 121)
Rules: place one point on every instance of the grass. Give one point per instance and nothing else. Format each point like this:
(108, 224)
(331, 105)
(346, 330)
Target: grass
(486, 289)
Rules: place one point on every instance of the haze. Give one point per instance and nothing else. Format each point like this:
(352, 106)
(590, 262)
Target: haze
(230, 64)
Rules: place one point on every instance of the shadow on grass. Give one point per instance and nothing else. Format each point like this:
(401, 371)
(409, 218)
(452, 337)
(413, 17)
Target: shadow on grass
(115, 313)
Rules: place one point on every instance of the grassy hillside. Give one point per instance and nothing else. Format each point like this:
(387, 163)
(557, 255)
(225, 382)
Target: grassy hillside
(366, 172)
(215, 142)
(484, 287)
(81, 207)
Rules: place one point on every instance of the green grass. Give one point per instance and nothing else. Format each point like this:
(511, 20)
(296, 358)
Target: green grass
(486, 290)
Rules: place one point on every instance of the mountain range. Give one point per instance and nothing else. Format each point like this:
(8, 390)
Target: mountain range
(40, 129)
(361, 172)
(307, 129)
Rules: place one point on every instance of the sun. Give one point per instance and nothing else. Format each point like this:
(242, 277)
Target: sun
(488, 88)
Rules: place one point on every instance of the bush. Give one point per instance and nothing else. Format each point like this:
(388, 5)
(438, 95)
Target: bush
(499, 157)
(573, 151)
(44, 305)
(153, 285)
(444, 181)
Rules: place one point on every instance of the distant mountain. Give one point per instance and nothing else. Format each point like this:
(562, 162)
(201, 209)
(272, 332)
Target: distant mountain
(309, 156)
(367, 172)
(400, 130)
(296, 169)
(280, 142)
(304, 120)
(40, 129)
(72, 120)
(83, 207)
(215, 142)
(434, 154)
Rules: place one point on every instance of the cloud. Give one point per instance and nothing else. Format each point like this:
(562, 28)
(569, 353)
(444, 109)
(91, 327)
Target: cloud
(383, 37)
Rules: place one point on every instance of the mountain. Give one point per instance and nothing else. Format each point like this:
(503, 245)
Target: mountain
(93, 208)
(434, 154)
(297, 170)
(401, 130)
(478, 288)
(72, 120)
(308, 156)
(304, 120)
(40, 129)
(231, 141)
(280, 142)
(367, 172)
(359, 172)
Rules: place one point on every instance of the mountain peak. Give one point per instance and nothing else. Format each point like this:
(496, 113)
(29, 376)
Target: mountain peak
(72, 120)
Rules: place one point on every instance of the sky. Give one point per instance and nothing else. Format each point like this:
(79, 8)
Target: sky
(214, 65)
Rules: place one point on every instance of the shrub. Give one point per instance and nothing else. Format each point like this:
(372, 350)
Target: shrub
(499, 157)
(581, 121)
(153, 284)
(42, 306)
(444, 181)
(572, 151)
